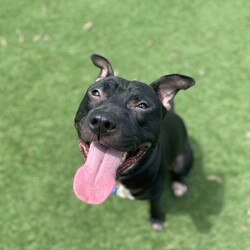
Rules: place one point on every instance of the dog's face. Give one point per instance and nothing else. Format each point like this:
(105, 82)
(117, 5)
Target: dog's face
(121, 114)
(118, 122)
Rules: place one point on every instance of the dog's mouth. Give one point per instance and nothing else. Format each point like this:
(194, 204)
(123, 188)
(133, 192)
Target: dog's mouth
(95, 180)
(129, 159)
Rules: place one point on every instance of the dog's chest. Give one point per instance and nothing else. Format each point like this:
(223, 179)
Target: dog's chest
(121, 191)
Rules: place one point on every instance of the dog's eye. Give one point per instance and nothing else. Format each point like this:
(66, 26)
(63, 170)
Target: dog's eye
(142, 105)
(95, 92)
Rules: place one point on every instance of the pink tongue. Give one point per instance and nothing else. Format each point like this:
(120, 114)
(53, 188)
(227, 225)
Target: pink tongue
(95, 180)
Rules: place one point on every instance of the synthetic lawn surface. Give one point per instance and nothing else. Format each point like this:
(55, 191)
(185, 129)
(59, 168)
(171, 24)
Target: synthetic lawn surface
(44, 71)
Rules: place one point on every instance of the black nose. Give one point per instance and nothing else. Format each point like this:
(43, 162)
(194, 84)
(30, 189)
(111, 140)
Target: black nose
(102, 124)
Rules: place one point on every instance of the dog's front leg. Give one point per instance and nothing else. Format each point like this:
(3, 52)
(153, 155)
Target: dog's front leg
(157, 216)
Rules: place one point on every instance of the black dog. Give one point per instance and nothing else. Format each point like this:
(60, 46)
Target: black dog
(130, 137)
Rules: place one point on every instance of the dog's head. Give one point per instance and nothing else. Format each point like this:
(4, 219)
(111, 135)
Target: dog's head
(118, 123)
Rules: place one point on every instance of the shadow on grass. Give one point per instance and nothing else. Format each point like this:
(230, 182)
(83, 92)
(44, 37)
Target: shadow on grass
(205, 194)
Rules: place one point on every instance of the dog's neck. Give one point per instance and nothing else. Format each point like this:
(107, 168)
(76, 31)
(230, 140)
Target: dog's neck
(151, 169)
(149, 161)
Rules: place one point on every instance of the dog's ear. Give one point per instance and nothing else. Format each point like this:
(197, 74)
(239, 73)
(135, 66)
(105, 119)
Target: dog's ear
(167, 87)
(104, 65)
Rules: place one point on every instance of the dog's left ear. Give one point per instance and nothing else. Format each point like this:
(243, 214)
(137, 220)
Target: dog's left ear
(167, 87)
(104, 65)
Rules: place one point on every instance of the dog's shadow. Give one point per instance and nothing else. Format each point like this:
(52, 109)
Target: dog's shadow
(205, 194)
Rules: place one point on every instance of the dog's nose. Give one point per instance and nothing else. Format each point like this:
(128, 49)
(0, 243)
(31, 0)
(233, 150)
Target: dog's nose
(102, 124)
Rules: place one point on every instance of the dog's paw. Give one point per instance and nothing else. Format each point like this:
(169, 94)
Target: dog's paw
(179, 189)
(157, 225)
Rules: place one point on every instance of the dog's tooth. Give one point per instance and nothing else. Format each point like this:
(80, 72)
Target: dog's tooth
(128, 168)
(125, 154)
(147, 144)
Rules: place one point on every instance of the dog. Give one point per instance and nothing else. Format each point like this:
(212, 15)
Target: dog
(131, 138)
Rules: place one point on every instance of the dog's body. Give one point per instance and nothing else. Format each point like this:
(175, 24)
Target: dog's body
(130, 137)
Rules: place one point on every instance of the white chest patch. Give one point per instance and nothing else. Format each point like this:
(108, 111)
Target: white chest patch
(122, 192)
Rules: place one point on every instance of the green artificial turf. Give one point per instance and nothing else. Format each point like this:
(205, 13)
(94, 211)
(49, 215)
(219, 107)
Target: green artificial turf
(44, 71)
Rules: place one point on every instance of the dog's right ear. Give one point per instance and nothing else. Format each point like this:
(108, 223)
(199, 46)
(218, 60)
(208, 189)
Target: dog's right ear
(104, 65)
(167, 87)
